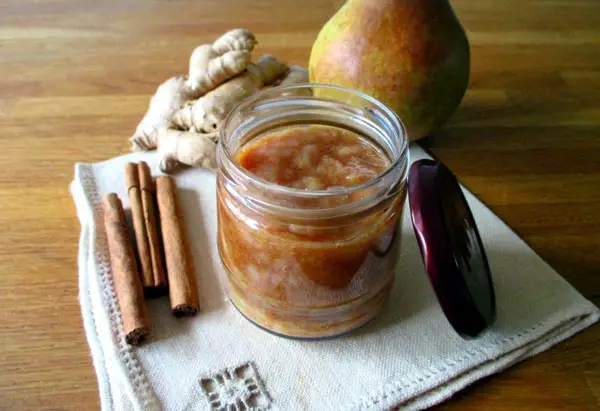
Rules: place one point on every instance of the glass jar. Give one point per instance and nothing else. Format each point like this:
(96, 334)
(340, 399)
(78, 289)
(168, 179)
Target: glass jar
(310, 264)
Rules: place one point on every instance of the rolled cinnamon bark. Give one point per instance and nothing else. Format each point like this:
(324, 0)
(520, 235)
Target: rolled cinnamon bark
(130, 296)
(140, 188)
(180, 271)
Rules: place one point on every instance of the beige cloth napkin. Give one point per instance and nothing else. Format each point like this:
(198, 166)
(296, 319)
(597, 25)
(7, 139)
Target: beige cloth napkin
(408, 356)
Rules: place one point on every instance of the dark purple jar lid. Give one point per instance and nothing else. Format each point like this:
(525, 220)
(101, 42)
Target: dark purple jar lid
(451, 248)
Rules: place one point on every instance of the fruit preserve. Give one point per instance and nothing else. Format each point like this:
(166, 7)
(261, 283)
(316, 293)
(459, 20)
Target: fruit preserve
(310, 190)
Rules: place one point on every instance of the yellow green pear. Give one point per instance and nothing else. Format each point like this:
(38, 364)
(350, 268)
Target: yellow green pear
(413, 55)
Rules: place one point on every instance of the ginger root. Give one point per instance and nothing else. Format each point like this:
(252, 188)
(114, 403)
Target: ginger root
(228, 56)
(206, 113)
(169, 96)
(186, 112)
(296, 75)
(193, 149)
(236, 39)
(210, 65)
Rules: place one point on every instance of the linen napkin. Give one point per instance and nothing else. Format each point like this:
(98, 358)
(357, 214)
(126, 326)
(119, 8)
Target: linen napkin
(408, 356)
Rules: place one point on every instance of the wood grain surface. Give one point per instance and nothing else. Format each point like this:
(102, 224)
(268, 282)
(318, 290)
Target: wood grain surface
(76, 76)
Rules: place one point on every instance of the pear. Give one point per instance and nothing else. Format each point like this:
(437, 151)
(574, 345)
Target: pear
(412, 55)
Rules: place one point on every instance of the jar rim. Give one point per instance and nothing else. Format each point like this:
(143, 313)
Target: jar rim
(399, 129)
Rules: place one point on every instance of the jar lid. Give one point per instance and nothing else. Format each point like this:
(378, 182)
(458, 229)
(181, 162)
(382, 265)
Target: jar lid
(451, 248)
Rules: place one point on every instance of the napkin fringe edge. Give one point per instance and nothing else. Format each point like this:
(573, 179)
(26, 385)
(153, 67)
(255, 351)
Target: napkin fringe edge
(391, 395)
(135, 381)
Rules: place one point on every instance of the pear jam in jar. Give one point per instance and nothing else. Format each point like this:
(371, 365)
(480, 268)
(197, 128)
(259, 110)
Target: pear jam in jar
(310, 190)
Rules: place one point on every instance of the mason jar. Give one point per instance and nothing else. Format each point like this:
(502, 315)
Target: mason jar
(310, 261)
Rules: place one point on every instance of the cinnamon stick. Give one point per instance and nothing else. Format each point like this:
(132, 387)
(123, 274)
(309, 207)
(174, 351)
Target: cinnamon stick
(180, 272)
(141, 197)
(124, 270)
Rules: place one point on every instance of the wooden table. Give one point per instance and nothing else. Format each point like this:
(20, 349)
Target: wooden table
(75, 78)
